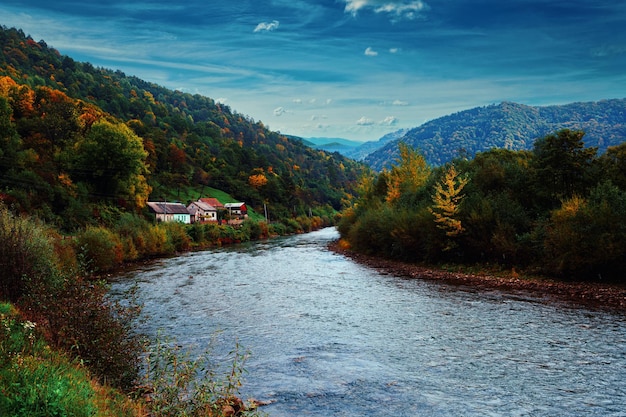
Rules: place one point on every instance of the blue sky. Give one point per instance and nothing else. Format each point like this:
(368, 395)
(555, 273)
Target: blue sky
(355, 69)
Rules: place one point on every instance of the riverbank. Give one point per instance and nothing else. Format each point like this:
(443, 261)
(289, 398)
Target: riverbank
(594, 295)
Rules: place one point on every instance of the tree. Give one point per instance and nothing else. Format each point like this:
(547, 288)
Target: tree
(562, 166)
(446, 201)
(111, 159)
(408, 175)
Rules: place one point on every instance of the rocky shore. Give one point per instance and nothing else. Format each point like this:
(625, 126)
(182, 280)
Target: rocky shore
(592, 295)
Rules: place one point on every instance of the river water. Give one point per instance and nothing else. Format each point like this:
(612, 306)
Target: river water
(330, 337)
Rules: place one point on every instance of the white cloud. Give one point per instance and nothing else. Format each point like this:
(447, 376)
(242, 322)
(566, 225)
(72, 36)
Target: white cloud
(268, 27)
(221, 100)
(328, 101)
(370, 52)
(398, 9)
(400, 103)
(389, 121)
(364, 121)
(279, 111)
(297, 101)
(394, 50)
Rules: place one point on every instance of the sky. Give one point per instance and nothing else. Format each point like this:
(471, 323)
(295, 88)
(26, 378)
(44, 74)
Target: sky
(354, 69)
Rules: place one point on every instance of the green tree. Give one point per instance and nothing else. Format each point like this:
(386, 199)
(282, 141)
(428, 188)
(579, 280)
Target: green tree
(111, 159)
(613, 164)
(562, 166)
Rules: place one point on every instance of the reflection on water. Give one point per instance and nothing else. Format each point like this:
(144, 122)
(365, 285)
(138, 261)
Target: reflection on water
(329, 337)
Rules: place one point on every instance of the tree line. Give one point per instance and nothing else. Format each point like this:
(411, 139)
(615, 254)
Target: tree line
(558, 209)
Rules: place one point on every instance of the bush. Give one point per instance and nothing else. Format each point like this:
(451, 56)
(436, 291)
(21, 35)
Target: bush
(37, 381)
(180, 385)
(26, 255)
(177, 236)
(100, 248)
(79, 318)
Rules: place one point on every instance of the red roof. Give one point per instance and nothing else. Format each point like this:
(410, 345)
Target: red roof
(212, 201)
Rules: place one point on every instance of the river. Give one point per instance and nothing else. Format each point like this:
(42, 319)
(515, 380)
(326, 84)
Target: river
(330, 337)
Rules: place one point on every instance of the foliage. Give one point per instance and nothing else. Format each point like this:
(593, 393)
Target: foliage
(38, 381)
(100, 247)
(408, 175)
(27, 255)
(508, 126)
(74, 314)
(558, 209)
(446, 200)
(182, 385)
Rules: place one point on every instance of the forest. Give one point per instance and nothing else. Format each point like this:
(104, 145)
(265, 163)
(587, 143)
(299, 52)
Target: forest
(76, 140)
(506, 125)
(558, 210)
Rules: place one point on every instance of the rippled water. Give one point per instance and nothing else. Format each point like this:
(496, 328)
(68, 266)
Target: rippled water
(329, 337)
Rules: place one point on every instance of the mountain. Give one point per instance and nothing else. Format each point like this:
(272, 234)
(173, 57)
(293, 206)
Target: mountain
(507, 125)
(367, 148)
(75, 138)
(340, 145)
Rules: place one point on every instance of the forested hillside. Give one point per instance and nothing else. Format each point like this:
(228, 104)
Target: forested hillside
(74, 137)
(509, 126)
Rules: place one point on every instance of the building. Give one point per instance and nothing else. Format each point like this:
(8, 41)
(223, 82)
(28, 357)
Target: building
(214, 202)
(169, 212)
(237, 210)
(202, 212)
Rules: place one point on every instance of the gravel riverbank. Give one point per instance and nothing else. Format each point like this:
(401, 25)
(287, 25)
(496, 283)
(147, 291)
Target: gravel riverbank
(594, 295)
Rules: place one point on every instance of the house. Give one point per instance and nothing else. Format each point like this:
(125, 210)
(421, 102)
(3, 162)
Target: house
(213, 201)
(202, 212)
(169, 212)
(237, 209)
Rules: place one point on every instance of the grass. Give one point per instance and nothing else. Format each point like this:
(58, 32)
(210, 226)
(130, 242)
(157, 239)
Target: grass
(38, 381)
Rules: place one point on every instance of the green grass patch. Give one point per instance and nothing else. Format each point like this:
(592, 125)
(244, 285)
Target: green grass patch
(38, 381)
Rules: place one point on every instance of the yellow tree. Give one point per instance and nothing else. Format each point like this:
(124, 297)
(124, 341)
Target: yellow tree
(257, 180)
(446, 202)
(410, 173)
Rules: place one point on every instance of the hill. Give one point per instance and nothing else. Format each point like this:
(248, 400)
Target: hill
(58, 113)
(507, 125)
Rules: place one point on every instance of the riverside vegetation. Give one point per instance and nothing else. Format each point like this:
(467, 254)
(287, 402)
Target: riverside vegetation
(67, 349)
(557, 210)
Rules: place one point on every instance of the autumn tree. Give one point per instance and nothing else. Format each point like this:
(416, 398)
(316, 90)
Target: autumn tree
(257, 179)
(446, 200)
(408, 175)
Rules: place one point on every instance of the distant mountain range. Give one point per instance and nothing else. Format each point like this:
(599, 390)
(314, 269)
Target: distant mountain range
(505, 125)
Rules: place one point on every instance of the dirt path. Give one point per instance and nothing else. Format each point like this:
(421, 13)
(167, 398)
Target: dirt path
(594, 295)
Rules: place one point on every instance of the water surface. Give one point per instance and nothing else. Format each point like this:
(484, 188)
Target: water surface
(329, 337)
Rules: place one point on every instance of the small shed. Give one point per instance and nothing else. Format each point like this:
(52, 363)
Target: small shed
(237, 209)
(169, 212)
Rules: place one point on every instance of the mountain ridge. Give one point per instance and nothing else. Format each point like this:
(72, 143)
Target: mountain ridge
(507, 125)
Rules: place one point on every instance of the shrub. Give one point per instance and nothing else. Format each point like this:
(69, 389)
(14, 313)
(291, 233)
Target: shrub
(26, 255)
(180, 385)
(82, 320)
(101, 248)
(37, 381)
(177, 236)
